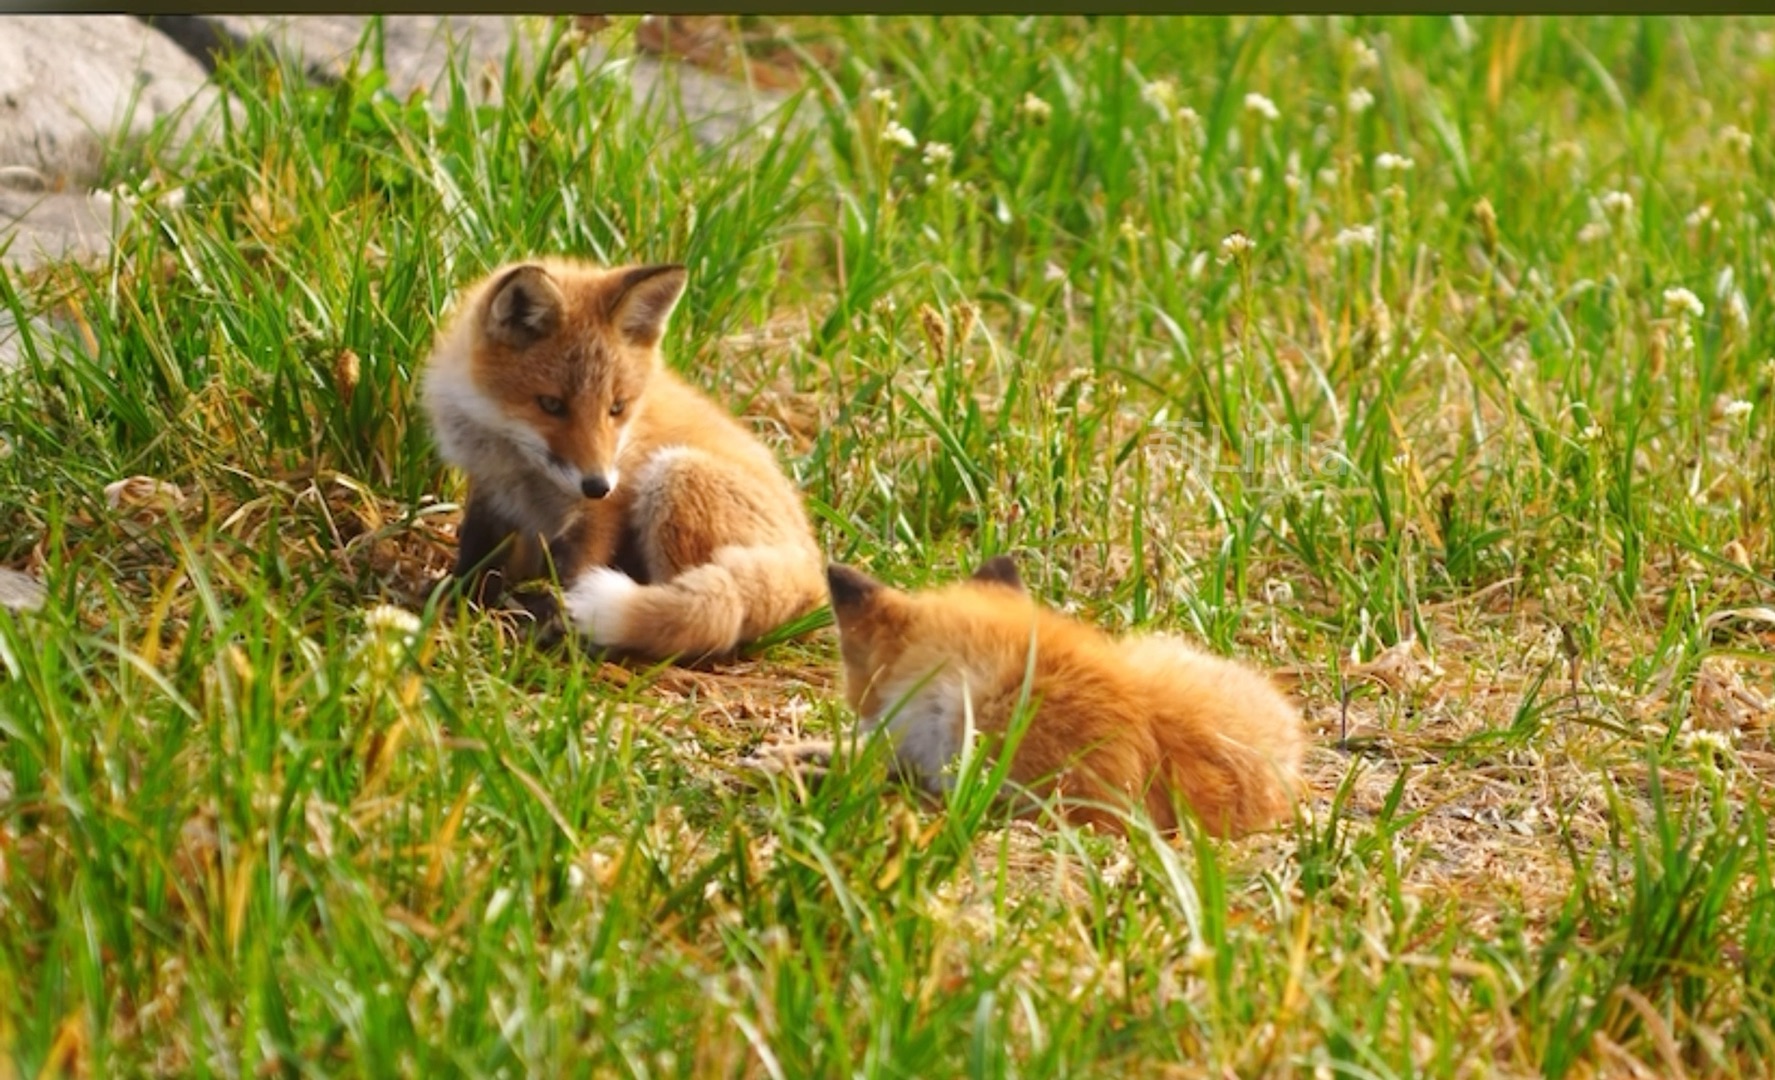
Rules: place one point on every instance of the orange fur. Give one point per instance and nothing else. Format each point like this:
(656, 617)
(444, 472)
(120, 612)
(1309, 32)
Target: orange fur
(1144, 721)
(674, 528)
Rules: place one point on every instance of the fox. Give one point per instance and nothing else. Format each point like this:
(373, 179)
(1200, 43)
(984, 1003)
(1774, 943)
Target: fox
(1144, 721)
(672, 529)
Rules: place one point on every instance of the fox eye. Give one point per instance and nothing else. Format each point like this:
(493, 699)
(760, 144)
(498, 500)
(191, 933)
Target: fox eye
(554, 406)
(617, 406)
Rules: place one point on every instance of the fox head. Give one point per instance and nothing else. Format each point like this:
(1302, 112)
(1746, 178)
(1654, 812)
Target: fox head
(876, 622)
(563, 352)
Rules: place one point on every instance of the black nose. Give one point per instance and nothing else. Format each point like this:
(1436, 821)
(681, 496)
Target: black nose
(594, 487)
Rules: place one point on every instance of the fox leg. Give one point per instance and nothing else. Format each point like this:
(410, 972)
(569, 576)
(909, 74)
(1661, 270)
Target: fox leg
(481, 565)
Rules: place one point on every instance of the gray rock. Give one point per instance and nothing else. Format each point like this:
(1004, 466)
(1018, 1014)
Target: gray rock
(21, 592)
(36, 228)
(417, 48)
(70, 84)
(50, 337)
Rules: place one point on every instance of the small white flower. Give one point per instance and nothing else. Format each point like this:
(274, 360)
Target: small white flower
(1187, 117)
(1716, 743)
(1618, 203)
(1590, 433)
(1680, 301)
(936, 153)
(895, 133)
(1355, 236)
(1737, 409)
(1161, 94)
(1262, 106)
(1737, 311)
(1236, 245)
(386, 620)
(1367, 59)
(1593, 232)
(884, 99)
(1698, 216)
(1360, 100)
(1735, 139)
(1390, 162)
(1035, 109)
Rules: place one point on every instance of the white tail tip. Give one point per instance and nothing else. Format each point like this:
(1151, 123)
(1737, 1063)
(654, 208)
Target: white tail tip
(599, 602)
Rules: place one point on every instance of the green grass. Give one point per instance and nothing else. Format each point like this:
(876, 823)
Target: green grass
(1441, 442)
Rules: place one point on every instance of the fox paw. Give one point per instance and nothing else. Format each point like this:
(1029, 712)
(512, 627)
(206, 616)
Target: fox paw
(799, 762)
(598, 605)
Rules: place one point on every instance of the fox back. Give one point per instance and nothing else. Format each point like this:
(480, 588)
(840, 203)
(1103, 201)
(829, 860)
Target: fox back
(1146, 721)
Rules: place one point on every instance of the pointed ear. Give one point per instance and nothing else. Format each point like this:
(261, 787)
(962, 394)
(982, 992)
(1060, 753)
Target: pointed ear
(526, 307)
(1000, 570)
(850, 587)
(645, 299)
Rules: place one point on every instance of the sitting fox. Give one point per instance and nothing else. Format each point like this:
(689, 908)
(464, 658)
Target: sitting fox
(671, 526)
(1143, 721)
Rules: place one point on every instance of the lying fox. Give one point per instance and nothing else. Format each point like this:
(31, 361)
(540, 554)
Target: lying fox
(672, 527)
(1145, 721)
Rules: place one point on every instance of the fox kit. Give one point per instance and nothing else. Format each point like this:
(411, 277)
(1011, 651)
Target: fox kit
(671, 527)
(1145, 721)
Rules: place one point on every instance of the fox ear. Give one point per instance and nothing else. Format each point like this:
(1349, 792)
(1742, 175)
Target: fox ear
(645, 299)
(850, 587)
(1000, 570)
(526, 307)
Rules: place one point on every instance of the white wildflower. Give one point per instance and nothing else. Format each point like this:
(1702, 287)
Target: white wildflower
(1698, 216)
(1035, 109)
(1161, 94)
(884, 99)
(1390, 162)
(1737, 409)
(936, 153)
(896, 133)
(1590, 433)
(1263, 106)
(1737, 311)
(1355, 236)
(1367, 58)
(1735, 139)
(1188, 118)
(1680, 301)
(1360, 100)
(388, 621)
(1715, 743)
(1594, 231)
(1617, 203)
(1236, 246)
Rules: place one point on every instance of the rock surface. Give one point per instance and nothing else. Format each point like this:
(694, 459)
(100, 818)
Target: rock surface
(70, 84)
(39, 227)
(67, 84)
(20, 592)
(416, 50)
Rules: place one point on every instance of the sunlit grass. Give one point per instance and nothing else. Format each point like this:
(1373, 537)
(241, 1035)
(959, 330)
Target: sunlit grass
(1423, 361)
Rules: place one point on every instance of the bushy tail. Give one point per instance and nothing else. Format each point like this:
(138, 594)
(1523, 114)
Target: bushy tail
(708, 610)
(1230, 744)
